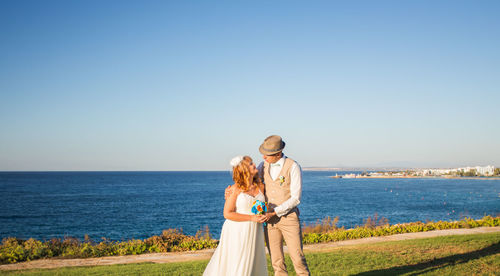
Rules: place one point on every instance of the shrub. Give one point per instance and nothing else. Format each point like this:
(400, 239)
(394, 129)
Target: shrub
(372, 223)
(14, 250)
(326, 225)
(375, 227)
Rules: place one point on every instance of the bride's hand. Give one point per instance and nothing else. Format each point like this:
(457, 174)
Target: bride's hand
(259, 218)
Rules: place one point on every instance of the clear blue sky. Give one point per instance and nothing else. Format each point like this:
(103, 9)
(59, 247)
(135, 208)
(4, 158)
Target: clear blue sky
(186, 85)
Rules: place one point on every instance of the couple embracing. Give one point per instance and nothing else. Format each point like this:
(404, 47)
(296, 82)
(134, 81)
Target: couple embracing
(277, 180)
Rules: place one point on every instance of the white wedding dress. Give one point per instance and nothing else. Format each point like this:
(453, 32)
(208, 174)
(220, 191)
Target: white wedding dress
(241, 249)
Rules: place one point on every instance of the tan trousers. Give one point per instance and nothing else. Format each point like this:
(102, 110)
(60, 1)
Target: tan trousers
(287, 227)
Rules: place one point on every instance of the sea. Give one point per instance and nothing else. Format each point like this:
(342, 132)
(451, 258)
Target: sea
(136, 205)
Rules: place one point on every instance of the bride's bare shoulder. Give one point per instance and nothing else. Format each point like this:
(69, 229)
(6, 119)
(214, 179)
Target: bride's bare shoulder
(235, 189)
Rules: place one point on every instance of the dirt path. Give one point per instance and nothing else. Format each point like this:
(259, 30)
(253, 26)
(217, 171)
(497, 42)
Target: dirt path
(206, 254)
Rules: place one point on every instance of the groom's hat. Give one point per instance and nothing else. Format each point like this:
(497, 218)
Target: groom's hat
(271, 145)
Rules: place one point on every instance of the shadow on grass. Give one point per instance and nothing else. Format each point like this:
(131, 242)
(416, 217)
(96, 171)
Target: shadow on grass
(434, 264)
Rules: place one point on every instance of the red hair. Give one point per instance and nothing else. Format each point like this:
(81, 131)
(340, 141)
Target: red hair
(242, 176)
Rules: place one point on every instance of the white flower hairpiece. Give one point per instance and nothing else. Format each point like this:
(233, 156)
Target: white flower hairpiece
(236, 160)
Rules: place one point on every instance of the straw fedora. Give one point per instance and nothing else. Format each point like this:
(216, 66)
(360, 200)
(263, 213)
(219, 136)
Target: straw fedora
(271, 145)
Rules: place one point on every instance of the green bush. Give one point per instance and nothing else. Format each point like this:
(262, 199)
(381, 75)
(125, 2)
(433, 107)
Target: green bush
(370, 230)
(14, 250)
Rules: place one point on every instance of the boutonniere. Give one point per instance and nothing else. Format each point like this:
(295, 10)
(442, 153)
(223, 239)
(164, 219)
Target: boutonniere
(282, 180)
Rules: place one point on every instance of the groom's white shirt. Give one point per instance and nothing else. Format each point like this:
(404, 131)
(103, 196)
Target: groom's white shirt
(295, 184)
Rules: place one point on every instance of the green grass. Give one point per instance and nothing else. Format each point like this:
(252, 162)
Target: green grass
(477, 254)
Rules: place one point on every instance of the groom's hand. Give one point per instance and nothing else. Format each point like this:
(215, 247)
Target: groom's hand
(227, 192)
(270, 214)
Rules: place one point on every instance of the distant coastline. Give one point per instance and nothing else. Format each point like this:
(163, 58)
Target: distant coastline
(477, 172)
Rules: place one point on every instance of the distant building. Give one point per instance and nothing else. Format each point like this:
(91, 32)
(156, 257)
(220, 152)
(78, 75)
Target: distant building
(438, 171)
(487, 170)
(484, 171)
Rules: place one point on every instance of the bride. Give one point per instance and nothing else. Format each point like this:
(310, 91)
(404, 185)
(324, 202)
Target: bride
(241, 248)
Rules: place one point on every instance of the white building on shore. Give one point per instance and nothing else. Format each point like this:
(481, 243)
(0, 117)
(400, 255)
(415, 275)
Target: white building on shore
(486, 170)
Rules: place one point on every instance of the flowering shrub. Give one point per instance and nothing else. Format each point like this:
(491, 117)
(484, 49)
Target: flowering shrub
(14, 250)
(383, 229)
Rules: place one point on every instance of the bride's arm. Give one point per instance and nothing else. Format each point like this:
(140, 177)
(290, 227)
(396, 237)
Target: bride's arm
(230, 209)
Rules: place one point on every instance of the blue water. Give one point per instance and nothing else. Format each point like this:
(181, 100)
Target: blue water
(124, 205)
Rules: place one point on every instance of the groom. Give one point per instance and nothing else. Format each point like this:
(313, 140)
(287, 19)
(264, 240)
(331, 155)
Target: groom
(282, 177)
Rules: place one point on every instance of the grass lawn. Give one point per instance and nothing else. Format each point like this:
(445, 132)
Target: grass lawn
(451, 255)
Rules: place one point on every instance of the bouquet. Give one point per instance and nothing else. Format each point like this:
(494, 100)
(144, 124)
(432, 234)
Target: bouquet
(259, 208)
